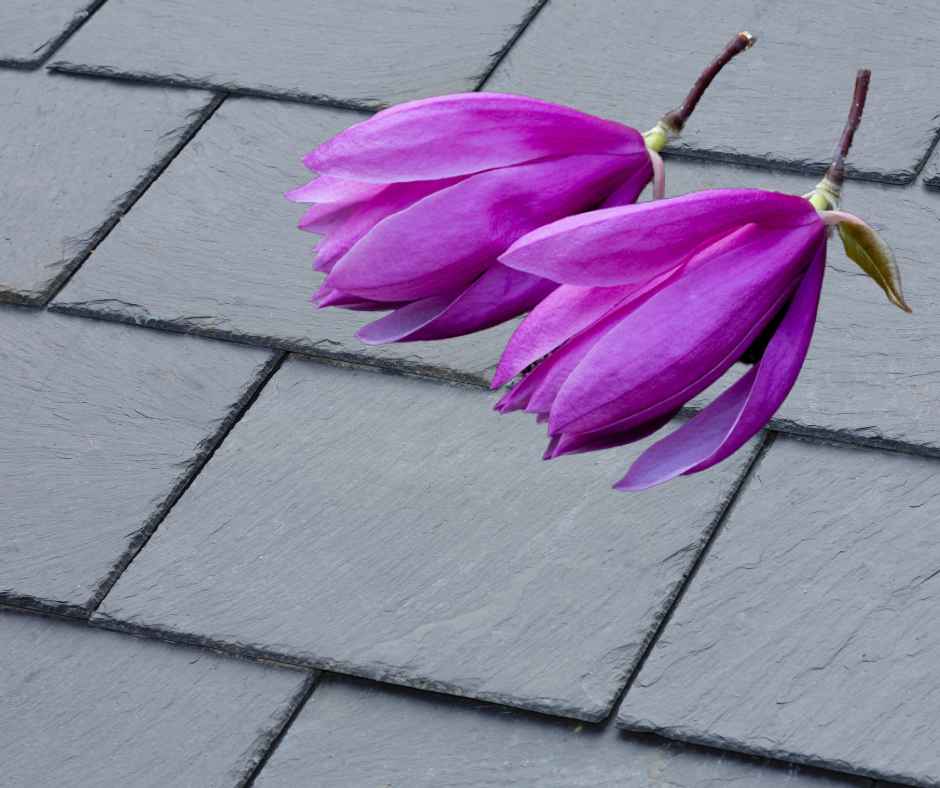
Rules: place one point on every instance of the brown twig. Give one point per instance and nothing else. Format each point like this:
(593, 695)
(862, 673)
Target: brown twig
(675, 120)
(836, 172)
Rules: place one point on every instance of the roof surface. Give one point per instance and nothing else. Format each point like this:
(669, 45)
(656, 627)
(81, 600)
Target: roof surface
(239, 547)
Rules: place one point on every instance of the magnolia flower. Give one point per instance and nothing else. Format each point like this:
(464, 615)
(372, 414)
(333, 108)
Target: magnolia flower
(417, 203)
(658, 301)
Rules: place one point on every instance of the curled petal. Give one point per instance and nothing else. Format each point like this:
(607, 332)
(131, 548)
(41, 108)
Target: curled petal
(870, 252)
(618, 246)
(499, 294)
(334, 190)
(464, 133)
(595, 441)
(740, 412)
(447, 239)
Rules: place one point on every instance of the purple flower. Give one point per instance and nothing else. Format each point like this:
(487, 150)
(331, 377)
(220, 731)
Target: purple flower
(417, 203)
(658, 301)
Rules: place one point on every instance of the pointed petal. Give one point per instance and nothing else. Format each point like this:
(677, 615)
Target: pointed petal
(618, 246)
(630, 190)
(499, 294)
(688, 334)
(448, 238)
(465, 133)
(327, 189)
(740, 412)
(596, 441)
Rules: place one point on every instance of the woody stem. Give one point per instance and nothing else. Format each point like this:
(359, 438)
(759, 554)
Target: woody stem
(836, 172)
(675, 120)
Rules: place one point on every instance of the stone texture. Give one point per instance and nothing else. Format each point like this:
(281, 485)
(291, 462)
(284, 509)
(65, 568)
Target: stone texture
(213, 248)
(356, 735)
(784, 101)
(932, 172)
(807, 633)
(869, 374)
(30, 30)
(398, 529)
(75, 153)
(102, 426)
(90, 708)
(365, 53)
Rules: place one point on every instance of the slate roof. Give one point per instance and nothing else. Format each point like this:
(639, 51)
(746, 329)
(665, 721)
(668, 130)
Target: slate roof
(239, 547)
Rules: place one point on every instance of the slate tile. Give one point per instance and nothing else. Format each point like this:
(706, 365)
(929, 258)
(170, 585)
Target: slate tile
(808, 632)
(88, 708)
(352, 734)
(398, 529)
(30, 30)
(366, 53)
(75, 152)
(784, 101)
(869, 374)
(102, 426)
(213, 248)
(932, 172)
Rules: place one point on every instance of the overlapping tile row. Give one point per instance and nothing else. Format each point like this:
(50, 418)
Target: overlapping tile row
(932, 171)
(395, 529)
(76, 152)
(808, 632)
(784, 102)
(88, 708)
(364, 54)
(212, 249)
(30, 30)
(103, 425)
(356, 735)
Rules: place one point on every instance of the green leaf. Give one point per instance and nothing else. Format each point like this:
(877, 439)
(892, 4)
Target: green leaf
(874, 257)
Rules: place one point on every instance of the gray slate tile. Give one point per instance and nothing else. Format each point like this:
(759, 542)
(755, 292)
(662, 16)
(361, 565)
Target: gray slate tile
(213, 248)
(784, 101)
(932, 171)
(365, 53)
(75, 152)
(398, 529)
(102, 425)
(809, 632)
(351, 734)
(86, 708)
(869, 374)
(30, 30)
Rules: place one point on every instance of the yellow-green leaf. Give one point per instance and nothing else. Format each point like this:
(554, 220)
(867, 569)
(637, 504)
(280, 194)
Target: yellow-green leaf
(874, 257)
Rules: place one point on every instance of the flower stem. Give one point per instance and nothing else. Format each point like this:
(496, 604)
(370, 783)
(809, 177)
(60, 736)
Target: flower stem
(675, 120)
(836, 172)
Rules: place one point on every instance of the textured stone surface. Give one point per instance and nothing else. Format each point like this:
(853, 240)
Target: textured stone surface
(356, 735)
(932, 171)
(808, 632)
(102, 424)
(213, 248)
(30, 30)
(75, 151)
(363, 53)
(784, 101)
(90, 708)
(398, 529)
(869, 374)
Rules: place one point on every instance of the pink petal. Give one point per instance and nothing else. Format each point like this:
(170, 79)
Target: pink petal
(460, 134)
(618, 246)
(448, 238)
(740, 412)
(596, 441)
(499, 294)
(327, 189)
(688, 334)
(630, 190)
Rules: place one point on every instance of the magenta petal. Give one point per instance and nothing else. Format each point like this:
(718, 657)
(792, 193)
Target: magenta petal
(686, 335)
(739, 413)
(595, 441)
(630, 190)
(448, 238)
(327, 189)
(618, 246)
(499, 294)
(460, 134)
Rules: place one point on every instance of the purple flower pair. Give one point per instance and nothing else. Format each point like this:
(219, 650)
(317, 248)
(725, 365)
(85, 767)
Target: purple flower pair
(461, 212)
